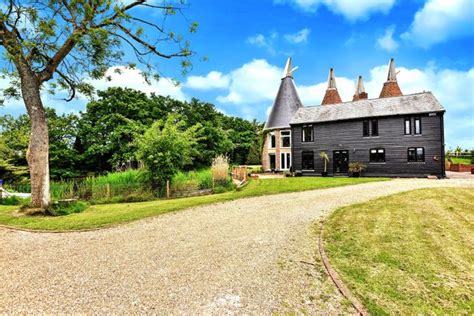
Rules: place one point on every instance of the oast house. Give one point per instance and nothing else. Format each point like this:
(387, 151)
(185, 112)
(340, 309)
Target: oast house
(394, 135)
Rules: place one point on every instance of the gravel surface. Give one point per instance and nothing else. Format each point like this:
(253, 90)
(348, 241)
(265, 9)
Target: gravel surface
(250, 256)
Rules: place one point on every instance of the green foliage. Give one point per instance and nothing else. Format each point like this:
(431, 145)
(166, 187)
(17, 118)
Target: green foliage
(13, 200)
(91, 36)
(61, 208)
(197, 180)
(127, 186)
(14, 138)
(108, 130)
(167, 147)
(104, 137)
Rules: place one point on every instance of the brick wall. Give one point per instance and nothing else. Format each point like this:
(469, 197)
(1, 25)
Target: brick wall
(460, 167)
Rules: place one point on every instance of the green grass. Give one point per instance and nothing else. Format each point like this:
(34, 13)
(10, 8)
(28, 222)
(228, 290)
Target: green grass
(461, 160)
(407, 254)
(105, 215)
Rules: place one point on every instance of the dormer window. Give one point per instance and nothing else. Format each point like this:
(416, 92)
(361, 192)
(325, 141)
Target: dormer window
(285, 139)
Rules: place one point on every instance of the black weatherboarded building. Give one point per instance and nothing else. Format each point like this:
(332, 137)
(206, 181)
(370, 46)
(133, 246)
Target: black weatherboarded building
(394, 135)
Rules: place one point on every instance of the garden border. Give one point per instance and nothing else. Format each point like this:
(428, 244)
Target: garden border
(343, 289)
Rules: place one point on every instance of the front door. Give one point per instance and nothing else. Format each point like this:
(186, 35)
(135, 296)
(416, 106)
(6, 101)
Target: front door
(341, 161)
(272, 161)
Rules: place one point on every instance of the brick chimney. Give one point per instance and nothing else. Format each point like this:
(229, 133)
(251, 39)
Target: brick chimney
(331, 96)
(360, 91)
(391, 88)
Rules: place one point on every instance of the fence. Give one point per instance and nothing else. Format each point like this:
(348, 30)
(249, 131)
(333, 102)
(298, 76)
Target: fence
(239, 173)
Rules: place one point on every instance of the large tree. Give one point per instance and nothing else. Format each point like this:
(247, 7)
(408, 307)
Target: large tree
(65, 42)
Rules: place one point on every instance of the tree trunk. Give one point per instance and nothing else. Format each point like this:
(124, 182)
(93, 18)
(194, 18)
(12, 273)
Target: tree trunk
(38, 149)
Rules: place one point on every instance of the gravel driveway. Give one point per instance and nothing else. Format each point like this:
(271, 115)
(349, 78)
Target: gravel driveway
(255, 255)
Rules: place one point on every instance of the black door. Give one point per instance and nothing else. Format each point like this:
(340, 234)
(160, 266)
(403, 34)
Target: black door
(341, 161)
(272, 162)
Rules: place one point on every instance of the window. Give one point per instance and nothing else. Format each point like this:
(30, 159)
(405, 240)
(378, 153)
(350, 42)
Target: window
(272, 140)
(407, 126)
(307, 160)
(416, 154)
(417, 125)
(285, 138)
(365, 129)
(377, 155)
(285, 161)
(375, 128)
(307, 133)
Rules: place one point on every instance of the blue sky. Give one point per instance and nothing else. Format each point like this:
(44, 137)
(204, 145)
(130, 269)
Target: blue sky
(247, 43)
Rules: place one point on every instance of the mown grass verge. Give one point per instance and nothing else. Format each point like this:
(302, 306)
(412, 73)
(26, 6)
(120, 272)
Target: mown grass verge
(110, 214)
(407, 254)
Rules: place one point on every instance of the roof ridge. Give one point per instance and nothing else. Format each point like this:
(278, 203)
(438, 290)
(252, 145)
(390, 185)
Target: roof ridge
(365, 100)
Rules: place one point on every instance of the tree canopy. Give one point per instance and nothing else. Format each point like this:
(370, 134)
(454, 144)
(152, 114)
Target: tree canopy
(104, 137)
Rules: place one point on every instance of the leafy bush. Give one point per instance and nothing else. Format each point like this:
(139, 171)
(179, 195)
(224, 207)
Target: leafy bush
(13, 200)
(255, 169)
(61, 208)
(167, 147)
(357, 167)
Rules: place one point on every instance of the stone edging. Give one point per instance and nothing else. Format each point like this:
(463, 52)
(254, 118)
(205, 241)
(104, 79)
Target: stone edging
(337, 279)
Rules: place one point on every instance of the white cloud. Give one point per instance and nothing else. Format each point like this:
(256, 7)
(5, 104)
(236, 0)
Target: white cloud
(386, 41)
(120, 76)
(313, 94)
(262, 41)
(298, 37)
(440, 20)
(254, 82)
(213, 80)
(253, 88)
(351, 9)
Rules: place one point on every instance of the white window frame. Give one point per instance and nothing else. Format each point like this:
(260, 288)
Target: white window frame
(281, 138)
(304, 133)
(270, 135)
(284, 162)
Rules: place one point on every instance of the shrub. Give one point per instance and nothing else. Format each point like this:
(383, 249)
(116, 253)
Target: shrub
(13, 200)
(61, 208)
(166, 147)
(357, 167)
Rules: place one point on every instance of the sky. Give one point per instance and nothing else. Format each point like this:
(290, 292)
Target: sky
(247, 43)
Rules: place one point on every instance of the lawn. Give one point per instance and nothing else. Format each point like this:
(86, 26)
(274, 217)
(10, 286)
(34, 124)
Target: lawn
(461, 160)
(407, 254)
(110, 214)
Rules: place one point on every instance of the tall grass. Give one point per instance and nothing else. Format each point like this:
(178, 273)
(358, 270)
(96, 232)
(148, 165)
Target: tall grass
(192, 180)
(132, 186)
(220, 168)
(127, 186)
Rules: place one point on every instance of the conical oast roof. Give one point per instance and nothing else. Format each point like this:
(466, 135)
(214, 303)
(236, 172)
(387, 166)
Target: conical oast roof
(360, 90)
(332, 95)
(390, 87)
(286, 103)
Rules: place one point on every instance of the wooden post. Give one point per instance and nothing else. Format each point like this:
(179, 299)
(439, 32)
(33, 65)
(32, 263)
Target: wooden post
(168, 189)
(107, 189)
